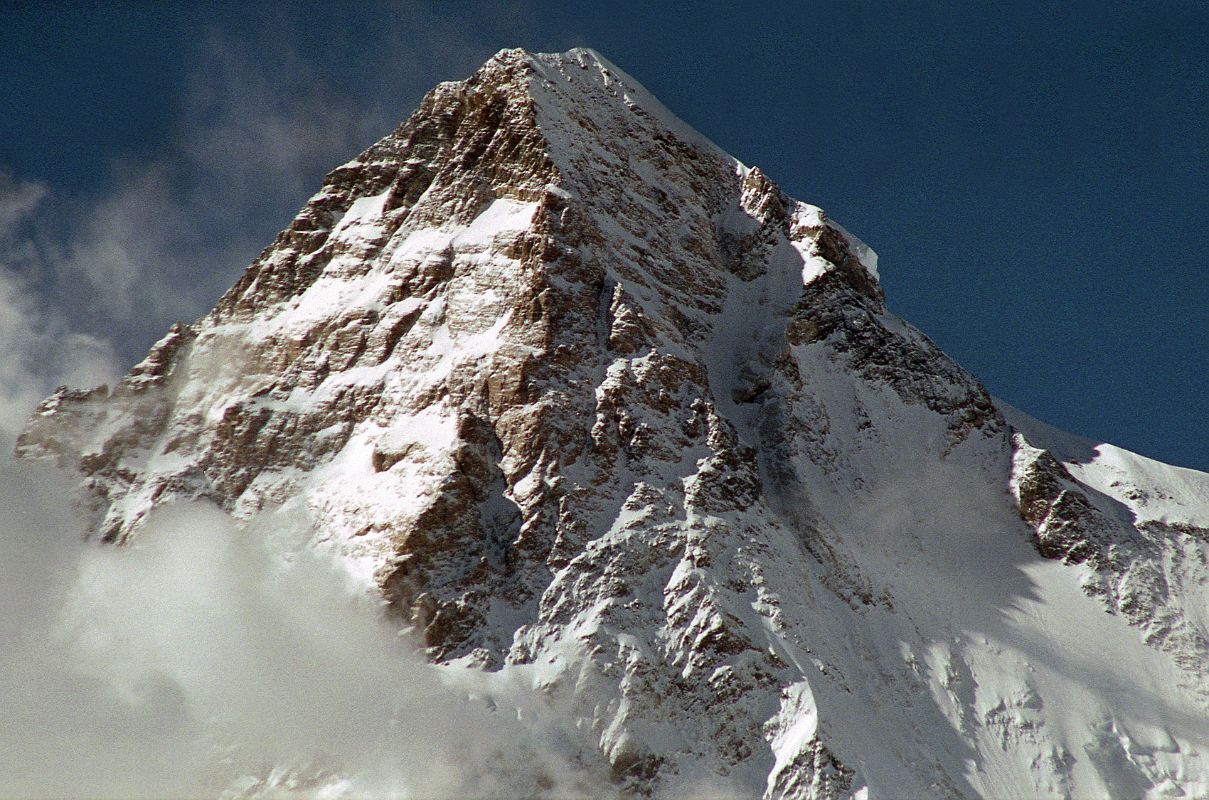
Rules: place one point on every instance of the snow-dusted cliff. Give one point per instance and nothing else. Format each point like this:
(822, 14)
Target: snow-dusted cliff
(593, 404)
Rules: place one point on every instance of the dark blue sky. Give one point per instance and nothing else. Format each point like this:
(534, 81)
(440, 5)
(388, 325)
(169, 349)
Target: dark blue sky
(1034, 176)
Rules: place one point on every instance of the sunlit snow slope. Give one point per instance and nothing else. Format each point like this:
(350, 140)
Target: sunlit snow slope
(597, 407)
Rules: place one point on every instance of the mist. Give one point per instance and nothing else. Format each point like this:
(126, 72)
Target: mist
(209, 660)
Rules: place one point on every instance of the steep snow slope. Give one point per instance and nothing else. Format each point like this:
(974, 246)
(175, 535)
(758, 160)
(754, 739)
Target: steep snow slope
(596, 406)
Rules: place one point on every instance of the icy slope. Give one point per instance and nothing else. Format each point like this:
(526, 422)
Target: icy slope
(595, 406)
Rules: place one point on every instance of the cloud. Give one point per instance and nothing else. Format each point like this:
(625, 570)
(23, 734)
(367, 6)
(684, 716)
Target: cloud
(40, 347)
(18, 200)
(174, 230)
(204, 659)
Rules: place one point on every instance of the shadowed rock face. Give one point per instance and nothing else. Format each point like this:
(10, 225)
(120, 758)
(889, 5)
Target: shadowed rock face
(586, 397)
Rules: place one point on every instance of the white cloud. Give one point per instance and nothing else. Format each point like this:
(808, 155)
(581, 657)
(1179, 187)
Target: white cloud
(199, 661)
(39, 347)
(18, 199)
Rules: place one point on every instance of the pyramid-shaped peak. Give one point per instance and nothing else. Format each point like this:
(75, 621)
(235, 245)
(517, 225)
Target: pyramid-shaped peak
(582, 81)
(599, 412)
(578, 57)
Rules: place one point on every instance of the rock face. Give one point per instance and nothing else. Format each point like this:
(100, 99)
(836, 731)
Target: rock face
(589, 400)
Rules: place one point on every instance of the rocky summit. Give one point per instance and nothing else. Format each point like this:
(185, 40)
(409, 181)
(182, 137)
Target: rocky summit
(589, 401)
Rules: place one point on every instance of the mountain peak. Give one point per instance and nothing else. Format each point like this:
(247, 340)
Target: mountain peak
(555, 127)
(539, 320)
(581, 82)
(586, 400)
(562, 80)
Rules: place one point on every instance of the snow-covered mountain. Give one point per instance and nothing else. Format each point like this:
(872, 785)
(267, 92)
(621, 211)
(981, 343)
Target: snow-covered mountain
(592, 403)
